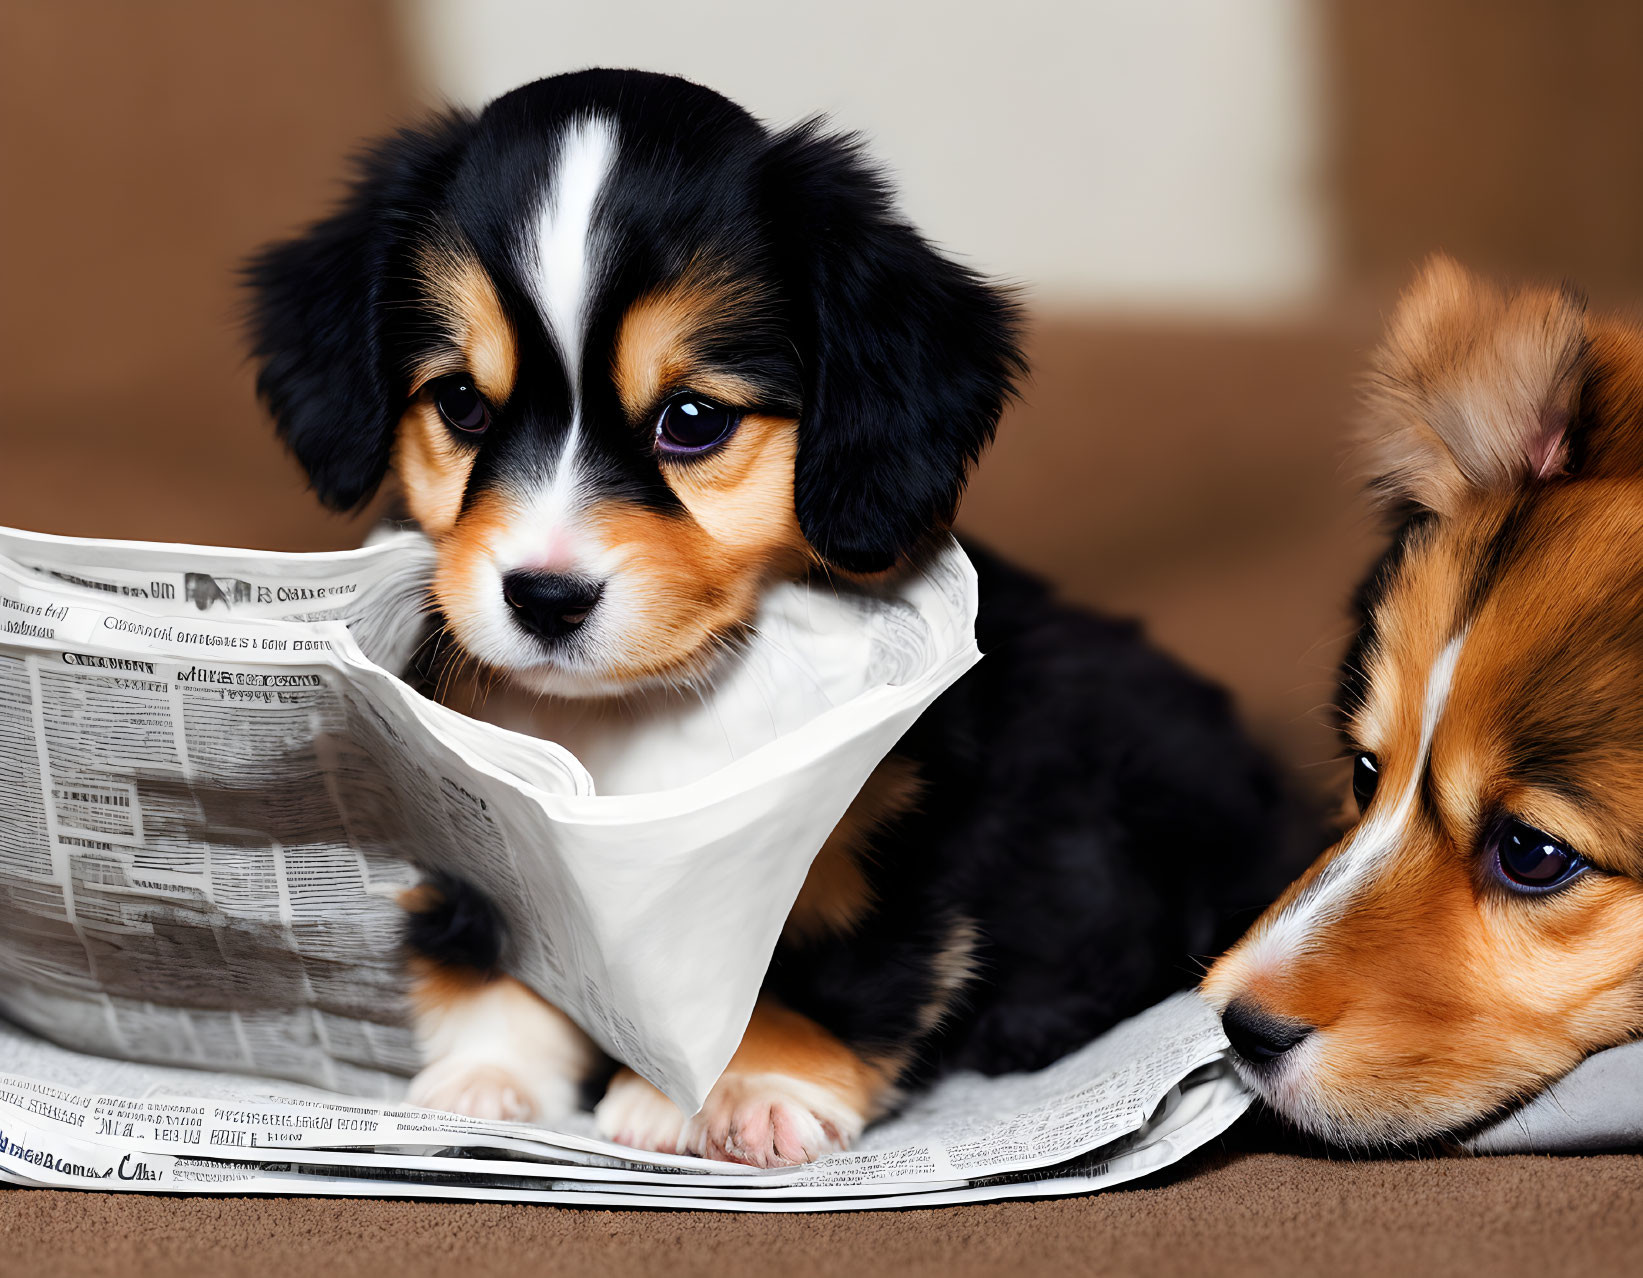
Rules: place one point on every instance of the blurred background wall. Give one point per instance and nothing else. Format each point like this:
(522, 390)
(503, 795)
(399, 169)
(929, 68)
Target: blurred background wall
(1210, 206)
(1026, 137)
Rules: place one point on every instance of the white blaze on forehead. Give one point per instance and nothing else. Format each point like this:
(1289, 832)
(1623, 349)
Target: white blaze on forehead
(565, 235)
(563, 272)
(1373, 844)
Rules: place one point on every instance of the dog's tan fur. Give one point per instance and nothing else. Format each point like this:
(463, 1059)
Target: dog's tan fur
(656, 350)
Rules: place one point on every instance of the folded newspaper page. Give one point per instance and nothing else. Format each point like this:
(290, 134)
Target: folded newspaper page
(1136, 1100)
(214, 790)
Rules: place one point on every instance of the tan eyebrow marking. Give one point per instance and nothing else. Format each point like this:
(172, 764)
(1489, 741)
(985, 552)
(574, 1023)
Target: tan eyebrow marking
(433, 469)
(655, 348)
(467, 301)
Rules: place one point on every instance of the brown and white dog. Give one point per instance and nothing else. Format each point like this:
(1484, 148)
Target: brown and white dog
(1479, 929)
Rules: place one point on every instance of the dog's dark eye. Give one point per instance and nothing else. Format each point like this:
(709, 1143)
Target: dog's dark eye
(691, 424)
(1530, 860)
(462, 407)
(1366, 775)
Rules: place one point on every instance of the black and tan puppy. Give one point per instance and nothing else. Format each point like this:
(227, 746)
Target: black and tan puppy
(630, 357)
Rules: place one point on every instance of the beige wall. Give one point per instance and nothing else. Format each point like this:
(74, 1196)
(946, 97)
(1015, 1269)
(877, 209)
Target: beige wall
(1159, 154)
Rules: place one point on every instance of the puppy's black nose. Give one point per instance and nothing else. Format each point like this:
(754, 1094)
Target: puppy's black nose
(1259, 1036)
(548, 604)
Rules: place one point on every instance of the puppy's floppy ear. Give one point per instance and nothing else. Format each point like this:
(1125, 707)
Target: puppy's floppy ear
(1473, 389)
(907, 356)
(320, 304)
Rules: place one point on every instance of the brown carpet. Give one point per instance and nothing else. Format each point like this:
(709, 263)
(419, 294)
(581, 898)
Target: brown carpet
(1232, 1214)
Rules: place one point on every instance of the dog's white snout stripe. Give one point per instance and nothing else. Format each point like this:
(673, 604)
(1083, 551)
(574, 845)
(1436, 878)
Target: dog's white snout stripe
(1372, 844)
(560, 262)
(565, 251)
(566, 266)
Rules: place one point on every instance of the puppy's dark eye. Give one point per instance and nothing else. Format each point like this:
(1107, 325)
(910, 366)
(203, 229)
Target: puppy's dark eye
(1529, 860)
(460, 404)
(691, 424)
(1366, 775)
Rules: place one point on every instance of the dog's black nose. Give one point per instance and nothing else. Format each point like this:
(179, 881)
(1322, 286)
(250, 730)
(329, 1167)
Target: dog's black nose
(549, 604)
(1258, 1036)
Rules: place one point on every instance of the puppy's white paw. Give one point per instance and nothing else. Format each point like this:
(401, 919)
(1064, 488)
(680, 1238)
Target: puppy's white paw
(633, 1113)
(771, 1120)
(493, 1048)
(485, 1089)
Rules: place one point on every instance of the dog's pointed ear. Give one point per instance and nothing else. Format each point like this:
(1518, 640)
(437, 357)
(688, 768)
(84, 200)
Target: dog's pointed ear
(908, 358)
(1473, 389)
(320, 303)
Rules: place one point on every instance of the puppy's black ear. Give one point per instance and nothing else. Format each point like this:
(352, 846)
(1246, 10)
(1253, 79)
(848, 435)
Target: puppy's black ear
(908, 357)
(320, 304)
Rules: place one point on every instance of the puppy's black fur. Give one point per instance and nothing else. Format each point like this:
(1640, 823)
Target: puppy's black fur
(324, 312)
(1091, 807)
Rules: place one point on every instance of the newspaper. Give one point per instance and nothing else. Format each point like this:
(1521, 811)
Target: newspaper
(214, 791)
(1134, 1101)
(213, 787)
